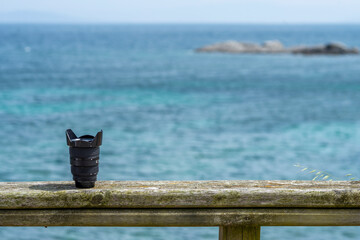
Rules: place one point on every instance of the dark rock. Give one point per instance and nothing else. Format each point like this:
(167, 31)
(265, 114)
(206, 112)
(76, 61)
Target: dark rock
(330, 48)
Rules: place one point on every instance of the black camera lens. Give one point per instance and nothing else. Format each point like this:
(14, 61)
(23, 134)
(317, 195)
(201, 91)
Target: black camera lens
(84, 157)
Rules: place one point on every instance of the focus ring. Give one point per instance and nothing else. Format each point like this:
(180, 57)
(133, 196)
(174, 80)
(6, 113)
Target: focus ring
(84, 152)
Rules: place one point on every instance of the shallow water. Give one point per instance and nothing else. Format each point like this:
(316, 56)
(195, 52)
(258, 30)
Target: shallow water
(171, 114)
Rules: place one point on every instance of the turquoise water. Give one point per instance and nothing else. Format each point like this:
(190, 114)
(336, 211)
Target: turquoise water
(171, 114)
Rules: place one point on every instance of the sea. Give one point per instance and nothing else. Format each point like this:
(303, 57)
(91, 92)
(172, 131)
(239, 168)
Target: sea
(169, 113)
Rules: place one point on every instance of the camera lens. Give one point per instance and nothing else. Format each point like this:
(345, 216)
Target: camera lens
(84, 158)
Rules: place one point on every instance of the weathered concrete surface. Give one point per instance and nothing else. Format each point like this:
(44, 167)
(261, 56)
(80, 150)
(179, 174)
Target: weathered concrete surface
(181, 217)
(275, 46)
(181, 194)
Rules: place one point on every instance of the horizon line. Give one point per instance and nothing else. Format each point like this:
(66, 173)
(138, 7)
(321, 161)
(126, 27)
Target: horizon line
(177, 23)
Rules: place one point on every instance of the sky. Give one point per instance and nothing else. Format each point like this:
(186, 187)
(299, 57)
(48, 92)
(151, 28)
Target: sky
(180, 11)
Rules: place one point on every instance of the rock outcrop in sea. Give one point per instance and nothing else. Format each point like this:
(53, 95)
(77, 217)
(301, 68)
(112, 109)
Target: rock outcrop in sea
(275, 46)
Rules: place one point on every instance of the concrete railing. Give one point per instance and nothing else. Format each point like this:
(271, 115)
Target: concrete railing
(239, 208)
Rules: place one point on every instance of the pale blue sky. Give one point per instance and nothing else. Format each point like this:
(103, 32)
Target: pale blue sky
(181, 11)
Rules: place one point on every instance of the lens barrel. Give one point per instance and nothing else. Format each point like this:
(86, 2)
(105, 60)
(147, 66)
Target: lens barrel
(84, 158)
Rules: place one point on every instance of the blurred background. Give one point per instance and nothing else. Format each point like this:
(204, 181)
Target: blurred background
(169, 113)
